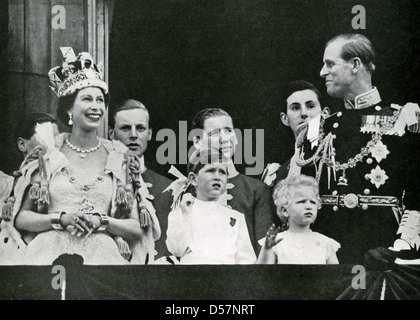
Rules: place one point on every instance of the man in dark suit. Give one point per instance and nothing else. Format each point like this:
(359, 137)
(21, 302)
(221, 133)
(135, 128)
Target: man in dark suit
(301, 102)
(130, 125)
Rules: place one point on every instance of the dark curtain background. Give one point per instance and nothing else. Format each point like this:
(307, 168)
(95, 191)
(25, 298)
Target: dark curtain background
(178, 57)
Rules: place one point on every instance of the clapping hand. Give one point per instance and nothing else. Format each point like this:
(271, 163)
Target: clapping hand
(271, 238)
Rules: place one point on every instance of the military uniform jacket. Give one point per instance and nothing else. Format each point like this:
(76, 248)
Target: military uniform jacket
(362, 208)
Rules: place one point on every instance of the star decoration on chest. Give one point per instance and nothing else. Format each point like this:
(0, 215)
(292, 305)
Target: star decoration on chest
(377, 176)
(379, 151)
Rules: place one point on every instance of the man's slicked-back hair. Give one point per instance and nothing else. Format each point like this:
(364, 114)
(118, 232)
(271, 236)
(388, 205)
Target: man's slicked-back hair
(298, 85)
(129, 104)
(356, 45)
(201, 116)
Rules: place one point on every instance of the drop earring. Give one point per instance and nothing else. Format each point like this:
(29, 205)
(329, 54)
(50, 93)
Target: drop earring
(70, 119)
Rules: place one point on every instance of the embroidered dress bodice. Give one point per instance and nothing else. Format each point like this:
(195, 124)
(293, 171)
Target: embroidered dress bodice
(74, 188)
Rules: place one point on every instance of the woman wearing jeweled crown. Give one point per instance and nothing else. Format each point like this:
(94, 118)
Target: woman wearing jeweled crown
(78, 196)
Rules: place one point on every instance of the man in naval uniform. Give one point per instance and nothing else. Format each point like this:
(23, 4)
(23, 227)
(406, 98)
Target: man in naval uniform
(367, 161)
(130, 125)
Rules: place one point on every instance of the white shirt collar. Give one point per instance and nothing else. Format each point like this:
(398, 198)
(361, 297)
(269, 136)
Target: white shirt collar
(142, 165)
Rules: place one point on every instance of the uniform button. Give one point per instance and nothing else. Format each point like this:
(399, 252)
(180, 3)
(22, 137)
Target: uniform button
(378, 108)
(339, 114)
(334, 192)
(364, 207)
(369, 160)
(366, 191)
(335, 208)
(335, 125)
(367, 177)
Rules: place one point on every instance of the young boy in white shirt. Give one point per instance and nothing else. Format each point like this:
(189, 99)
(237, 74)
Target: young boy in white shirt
(201, 230)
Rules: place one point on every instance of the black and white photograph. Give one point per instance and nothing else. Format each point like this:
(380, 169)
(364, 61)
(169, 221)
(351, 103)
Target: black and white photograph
(210, 157)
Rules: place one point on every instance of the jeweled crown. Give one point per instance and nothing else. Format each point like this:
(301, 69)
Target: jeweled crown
(76, 72)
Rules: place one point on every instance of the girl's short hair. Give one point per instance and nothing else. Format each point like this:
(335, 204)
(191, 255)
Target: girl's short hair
(283, 191)
(65, 103)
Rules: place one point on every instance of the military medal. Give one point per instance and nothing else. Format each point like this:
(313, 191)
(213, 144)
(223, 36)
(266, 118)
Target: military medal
(379, 125)
(377, 176)
(342, 181)
(379, 151)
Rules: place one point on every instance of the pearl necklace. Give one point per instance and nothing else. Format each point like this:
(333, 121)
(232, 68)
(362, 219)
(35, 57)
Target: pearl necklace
(82, 151)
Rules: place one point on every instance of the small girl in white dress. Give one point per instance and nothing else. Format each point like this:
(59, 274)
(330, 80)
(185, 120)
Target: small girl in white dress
(297, 201)
(201, 230)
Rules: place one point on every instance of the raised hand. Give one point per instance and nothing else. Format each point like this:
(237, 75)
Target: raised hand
(271, 238)
(186, 204)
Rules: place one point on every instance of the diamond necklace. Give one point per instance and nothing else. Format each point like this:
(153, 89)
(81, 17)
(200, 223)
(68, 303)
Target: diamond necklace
(82, 151)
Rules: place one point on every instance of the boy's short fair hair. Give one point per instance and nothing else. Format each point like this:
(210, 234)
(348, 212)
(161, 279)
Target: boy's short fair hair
(283, 191)
(201, 157)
